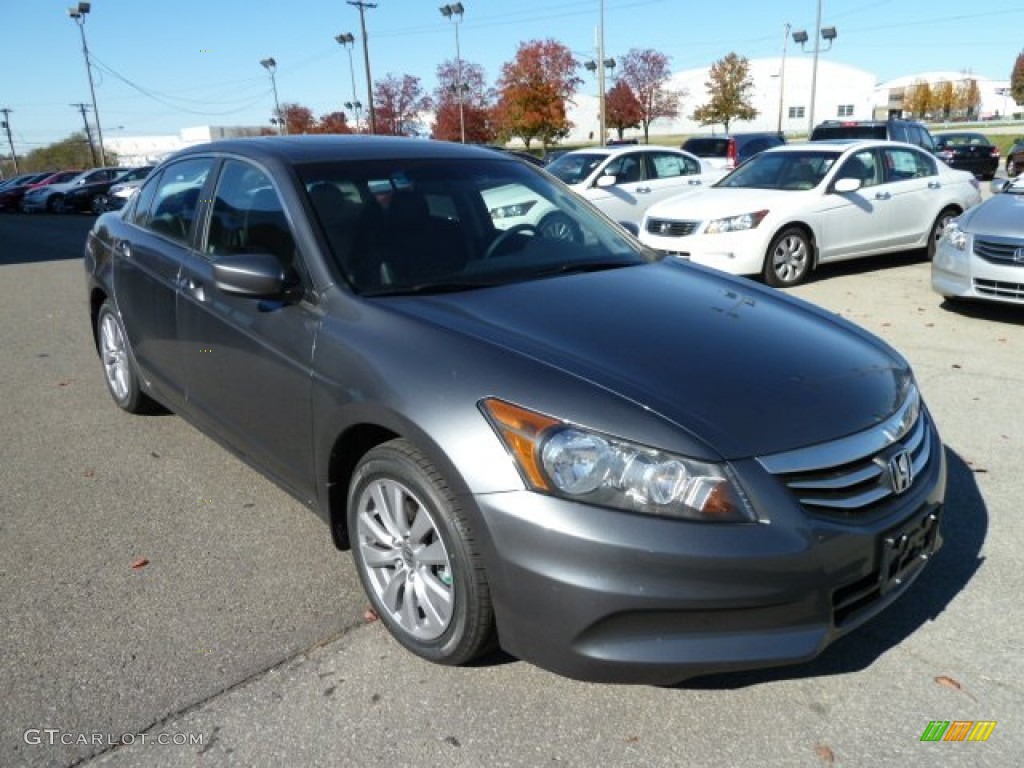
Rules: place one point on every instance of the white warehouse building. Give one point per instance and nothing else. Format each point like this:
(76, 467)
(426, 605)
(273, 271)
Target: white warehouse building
(842, 93)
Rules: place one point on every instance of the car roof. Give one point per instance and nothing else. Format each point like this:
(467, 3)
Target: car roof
(839, 145)
(311, 149)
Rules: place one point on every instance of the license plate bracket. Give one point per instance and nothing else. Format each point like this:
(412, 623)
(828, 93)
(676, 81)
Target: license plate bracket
(906, 549)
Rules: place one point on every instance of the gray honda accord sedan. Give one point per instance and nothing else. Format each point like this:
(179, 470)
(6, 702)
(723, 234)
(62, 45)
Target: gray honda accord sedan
(618, 466)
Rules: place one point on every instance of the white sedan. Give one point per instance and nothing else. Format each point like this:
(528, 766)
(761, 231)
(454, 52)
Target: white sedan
(981, 254)
(791, 208)
(624, 181)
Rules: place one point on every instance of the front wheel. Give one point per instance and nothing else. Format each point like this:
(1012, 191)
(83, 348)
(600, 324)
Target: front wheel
(55, 204)
(416, 557)
(788, 260)
(947, 215)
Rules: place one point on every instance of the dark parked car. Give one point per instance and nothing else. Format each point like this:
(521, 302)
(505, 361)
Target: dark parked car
(1015, 159)
(730, 150)
(895, 129)
(92, 197)
(968, 151)
(617, 466)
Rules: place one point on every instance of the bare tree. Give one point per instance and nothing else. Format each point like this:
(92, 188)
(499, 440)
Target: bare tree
(647, 73)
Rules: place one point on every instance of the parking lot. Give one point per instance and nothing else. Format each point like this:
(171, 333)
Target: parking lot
(158, 592)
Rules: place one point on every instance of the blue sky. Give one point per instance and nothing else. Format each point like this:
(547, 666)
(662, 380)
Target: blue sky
(196, 62)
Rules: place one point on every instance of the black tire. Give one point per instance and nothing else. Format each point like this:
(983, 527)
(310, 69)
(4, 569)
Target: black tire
(421, 568)
(935, 234)
(96, 204)
(119, 370)
(55, 204)
(558, 226)
(789, 258)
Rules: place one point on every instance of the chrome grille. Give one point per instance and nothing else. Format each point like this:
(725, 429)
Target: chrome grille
(854, 475)
(999, 288)
(668, 228)
(998, 250)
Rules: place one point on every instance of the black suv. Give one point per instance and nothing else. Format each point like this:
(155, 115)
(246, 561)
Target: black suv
(893, 130)
(728, 150)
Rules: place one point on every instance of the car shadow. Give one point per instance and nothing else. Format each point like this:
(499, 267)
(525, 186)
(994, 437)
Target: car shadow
(985, 310)
(859, 266)
(964, 527)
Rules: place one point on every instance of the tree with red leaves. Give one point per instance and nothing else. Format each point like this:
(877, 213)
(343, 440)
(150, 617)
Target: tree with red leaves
(1017, 80)
(333, 122)
(647, 72)
(476, 104)
(533, 90)
(297, 119)
(398, 103)
(622, 108)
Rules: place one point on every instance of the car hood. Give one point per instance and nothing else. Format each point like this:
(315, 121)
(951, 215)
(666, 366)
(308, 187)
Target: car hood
(744, 369)
(1000, 215)
(716, 202)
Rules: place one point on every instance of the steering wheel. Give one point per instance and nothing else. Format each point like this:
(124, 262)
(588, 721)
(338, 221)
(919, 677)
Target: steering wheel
(493, 247)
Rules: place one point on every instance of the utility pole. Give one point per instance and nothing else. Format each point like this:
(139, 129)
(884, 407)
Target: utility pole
(782, 75)
(88, 131)
(814, 70)
(362, 6)
(6, 123)
(600, 78)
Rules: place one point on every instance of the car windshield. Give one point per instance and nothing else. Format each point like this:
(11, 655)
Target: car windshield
(794, 171)
(961, 140)
(431, 226)
(574, 168)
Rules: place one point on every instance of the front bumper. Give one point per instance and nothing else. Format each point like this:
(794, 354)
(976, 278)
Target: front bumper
(964, 274)
(606, 596)
(738, 253)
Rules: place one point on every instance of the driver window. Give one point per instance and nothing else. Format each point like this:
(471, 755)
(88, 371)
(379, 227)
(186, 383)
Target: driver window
(248, 216)
(625, 169)
(861, 166)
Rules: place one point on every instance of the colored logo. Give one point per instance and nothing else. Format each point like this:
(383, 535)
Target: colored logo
(958, 730)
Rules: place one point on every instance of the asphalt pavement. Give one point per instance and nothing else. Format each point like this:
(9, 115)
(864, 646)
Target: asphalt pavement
(165, 605)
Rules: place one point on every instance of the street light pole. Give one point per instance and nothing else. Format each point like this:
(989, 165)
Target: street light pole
(270, 65)
(362, 6)
(77, 14)
(347, 40)
(782, 75)
(450, 12)
(600, 76)
(814, 69)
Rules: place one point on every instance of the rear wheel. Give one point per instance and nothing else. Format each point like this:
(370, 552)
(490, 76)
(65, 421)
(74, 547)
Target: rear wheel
(118, 365)
(947, 215)
(788, 260)
(55, 204)
(416, 556)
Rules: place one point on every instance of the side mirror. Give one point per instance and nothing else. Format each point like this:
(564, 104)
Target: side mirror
(605, 181)
(845, 185)
(251, 275)
(998, 185)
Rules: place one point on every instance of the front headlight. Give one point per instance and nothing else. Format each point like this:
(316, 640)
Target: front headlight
(955, 236)
(573, 462)
(513, 211)
(735, 223)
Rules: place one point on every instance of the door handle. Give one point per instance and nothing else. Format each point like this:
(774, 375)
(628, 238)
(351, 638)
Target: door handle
(196, 289)
(934, 185)
(882, 195)
(694, 182)
(643, 190)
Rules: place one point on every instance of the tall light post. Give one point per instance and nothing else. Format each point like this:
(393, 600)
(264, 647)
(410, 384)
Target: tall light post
(347, 40)
(362, 6)
(591, 66)
(828, 34)
(78, 14)
(600, 76)
(270, 65)
(454, 13)
(782, 75)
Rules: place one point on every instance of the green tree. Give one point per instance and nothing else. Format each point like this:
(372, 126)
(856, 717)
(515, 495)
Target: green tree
(533, 90)
(72, 152)
(729, 87)
(1017, 80)
(647, 73)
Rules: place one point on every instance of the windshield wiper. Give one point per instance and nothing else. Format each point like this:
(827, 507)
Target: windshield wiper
(582, 267)
(453, 286)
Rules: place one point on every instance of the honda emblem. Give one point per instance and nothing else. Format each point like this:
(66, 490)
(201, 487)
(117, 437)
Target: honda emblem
(901, 472)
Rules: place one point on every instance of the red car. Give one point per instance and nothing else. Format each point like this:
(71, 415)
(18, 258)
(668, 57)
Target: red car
(10, 196)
